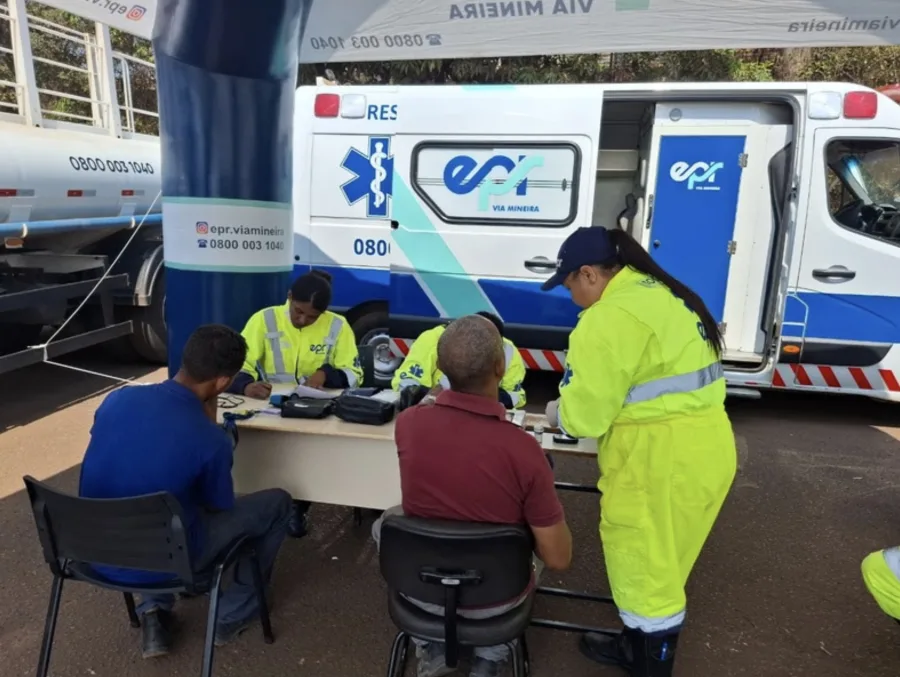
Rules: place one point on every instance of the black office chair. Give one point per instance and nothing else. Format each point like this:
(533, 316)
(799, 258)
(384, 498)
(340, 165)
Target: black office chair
(454, 565)
(145, 533)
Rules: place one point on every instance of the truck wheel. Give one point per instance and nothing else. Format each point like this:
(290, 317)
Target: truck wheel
(372, 329)
(149, 336)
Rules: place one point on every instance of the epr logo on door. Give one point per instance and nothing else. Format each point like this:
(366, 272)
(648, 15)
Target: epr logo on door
(699, 176)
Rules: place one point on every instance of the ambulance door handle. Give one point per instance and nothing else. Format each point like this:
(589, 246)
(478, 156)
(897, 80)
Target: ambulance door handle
(834, 274)
(540, 264)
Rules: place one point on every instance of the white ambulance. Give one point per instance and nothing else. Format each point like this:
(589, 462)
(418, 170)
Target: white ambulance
(779, 203)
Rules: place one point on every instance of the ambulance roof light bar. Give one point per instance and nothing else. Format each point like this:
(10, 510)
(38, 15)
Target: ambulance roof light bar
(862, 105)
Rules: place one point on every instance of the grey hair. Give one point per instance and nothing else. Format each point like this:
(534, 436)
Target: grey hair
(468, 352)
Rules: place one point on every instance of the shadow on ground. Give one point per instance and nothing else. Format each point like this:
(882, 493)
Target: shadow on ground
(34, 392)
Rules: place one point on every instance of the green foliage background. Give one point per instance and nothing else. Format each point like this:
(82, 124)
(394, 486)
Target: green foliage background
(873, 66)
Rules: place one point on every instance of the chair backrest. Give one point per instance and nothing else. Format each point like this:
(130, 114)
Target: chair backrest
(367, 362)
(146, 533)
(492, 563)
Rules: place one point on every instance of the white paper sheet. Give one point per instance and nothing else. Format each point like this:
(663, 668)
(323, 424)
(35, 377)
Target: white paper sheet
(315, 393)
(390, 396)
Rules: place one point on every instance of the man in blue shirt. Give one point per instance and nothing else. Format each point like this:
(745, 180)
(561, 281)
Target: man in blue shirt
(164, 437)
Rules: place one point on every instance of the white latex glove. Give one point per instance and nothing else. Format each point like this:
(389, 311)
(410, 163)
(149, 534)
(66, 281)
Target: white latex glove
(552, 413)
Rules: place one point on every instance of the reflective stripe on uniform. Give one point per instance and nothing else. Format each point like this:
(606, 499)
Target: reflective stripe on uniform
(444, 382)
(892, 557)
(407, 383)
(274, 337)
(333, 332)
(681, 383)
(648, 625)
(508, 353)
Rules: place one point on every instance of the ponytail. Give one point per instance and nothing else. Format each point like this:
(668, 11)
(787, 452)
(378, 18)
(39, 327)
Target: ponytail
(631, 253)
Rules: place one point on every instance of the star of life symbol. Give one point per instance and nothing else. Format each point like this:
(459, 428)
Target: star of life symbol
(373, 176)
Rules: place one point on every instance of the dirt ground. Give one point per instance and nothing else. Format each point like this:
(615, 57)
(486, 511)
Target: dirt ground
(777, 591)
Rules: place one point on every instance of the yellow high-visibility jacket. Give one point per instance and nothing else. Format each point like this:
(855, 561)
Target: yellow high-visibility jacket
(881, 574)
(281, 353)
(641, 377)
(420, 368)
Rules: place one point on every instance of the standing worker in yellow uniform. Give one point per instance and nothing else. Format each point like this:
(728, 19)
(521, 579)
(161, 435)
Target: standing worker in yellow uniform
(881, 574)
(420, 368)
(299, 342)
(643, 375)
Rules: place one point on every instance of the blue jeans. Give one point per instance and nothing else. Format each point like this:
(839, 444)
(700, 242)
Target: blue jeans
(263, 516)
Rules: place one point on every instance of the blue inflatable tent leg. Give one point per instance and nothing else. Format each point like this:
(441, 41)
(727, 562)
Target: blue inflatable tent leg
(226, 75)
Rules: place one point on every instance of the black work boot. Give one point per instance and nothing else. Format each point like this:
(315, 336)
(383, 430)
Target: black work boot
(606, 649)
(156, 633)
(298, 526)
(652, 655)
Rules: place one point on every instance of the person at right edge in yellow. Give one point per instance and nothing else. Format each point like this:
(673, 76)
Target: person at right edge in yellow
(644, 376)
(881, 574)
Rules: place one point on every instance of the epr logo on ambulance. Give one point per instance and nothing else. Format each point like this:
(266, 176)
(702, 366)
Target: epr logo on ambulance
(703, 173)
(463, 174)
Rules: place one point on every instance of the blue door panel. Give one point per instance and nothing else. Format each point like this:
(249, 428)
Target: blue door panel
(694, 212)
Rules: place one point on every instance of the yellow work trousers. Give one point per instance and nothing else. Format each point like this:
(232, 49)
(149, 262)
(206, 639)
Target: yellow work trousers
(663, 483)
(882, 583)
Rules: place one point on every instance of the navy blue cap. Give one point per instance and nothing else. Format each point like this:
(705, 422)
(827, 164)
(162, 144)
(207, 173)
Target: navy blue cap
(584, 247)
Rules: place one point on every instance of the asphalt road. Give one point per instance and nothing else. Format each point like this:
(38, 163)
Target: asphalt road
(777, 591)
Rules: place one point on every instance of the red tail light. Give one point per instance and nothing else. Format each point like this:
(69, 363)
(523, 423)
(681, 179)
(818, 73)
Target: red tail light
(75, 193)
(860, 105)
(327, 105)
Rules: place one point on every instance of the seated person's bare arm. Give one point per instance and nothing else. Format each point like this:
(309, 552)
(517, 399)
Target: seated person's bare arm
(553, 545)
(544, 513)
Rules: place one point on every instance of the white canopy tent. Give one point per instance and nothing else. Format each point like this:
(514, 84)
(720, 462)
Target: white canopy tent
(379, 30)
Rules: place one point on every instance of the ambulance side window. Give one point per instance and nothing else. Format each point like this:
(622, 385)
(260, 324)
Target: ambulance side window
(863, 183)
(497, 183)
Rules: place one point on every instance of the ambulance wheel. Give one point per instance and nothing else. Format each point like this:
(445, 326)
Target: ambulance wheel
(372, 330)
(149, 336)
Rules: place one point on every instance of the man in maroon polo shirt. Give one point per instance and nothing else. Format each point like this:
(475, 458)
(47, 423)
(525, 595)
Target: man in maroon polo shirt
(461, 460)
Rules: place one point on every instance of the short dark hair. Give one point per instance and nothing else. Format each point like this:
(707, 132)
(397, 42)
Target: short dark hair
(313, 287)
(493, 318)
(468, 351)
(213, 351)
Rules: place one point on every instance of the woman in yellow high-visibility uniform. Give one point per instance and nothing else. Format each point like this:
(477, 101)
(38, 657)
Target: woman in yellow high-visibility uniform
(298, 342)
(644, 376)
(420, 368)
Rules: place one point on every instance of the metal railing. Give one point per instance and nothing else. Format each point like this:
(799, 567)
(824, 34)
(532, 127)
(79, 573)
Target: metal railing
(90, 96)
(128, 109)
